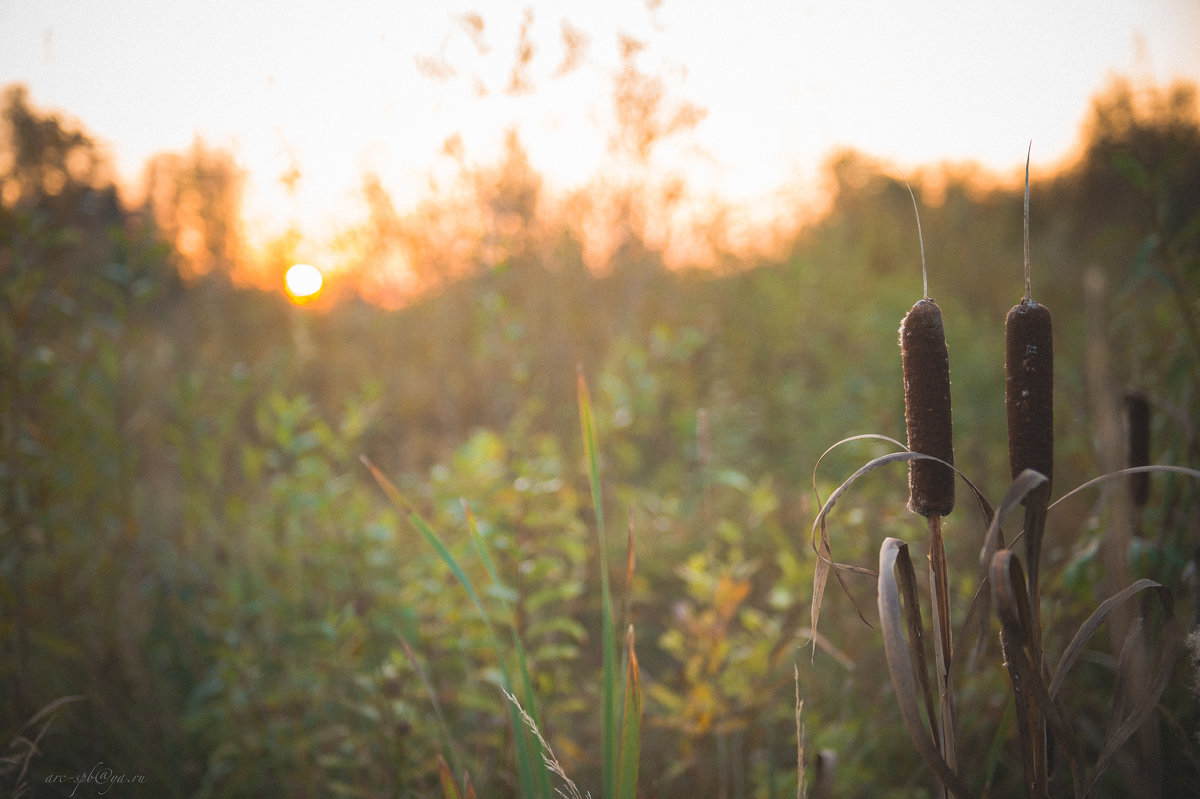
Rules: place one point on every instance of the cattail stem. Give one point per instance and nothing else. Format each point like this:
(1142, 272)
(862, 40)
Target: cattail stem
(943, 647)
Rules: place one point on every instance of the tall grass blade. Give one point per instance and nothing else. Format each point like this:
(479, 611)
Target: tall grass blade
(532, 779)
(907, 669)
(543, 779)
(450, 789)
(631, 724)
(630, 564)
(443, 727)
(608, 701)
(800, 789)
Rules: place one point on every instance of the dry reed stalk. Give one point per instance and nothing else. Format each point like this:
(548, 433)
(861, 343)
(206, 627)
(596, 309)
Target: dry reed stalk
(1029, 406)
(925, 362)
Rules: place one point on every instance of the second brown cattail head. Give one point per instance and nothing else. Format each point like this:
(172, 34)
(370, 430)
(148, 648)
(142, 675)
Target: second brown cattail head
(926, 366)
(1029, 389)
(1137, 415)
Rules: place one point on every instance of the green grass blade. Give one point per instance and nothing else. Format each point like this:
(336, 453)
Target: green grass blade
(631, 724)
(528, 767)
(608, 743)
(542, 775)
(450, 789)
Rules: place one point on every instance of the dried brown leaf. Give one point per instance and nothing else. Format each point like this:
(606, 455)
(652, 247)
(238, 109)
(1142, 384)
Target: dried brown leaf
(897, 577)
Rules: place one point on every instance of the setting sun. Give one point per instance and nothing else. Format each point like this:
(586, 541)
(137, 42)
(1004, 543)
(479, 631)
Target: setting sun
(303, 283)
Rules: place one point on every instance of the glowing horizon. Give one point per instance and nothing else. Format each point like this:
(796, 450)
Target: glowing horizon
(310, 101)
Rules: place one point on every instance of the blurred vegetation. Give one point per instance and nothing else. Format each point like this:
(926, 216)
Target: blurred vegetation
(189, 543)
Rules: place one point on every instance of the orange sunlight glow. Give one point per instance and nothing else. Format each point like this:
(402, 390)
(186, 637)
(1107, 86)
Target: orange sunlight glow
(304, 283)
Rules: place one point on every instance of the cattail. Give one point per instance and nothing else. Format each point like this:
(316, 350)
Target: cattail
(926, 365)
(1029, 383)
(1137, 413)
(1029, 379)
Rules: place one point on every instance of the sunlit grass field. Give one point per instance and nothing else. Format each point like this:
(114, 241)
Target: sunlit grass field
(252, 545)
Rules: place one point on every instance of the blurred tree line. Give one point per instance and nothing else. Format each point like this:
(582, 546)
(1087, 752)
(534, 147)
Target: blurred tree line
(188, 541)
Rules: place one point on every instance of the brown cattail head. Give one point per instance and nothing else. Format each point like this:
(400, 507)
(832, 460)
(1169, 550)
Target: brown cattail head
(926, 365)
(1029, 389)
(1137, 412)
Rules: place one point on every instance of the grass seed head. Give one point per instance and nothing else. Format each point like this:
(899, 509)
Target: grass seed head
(926, 365)
(1029, 389)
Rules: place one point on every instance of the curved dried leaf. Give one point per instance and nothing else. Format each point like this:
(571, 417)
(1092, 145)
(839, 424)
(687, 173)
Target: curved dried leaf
(1149, 689)
(993, 540)
(851, 439)
(893, 559)
(1016, 635)
(1033, 697)
(1123, 473)
(1089, 627)
(1147, 693)
(974, 627)
(820, 531)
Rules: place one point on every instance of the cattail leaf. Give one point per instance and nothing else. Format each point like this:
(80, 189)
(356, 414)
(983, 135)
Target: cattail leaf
(820, 531)
(1122, 473)
(1089, 627)
(821, 544)
(897, 578)
(1034, 700)
(1017, 640)
(1149, 685)
(927, 415)
(975, 622)
(1137, 693)
(824, 768)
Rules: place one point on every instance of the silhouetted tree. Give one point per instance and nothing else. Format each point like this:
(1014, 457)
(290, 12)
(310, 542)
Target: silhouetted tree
(195, 199)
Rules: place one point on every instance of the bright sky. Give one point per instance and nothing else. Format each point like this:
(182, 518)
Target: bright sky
(334, 88)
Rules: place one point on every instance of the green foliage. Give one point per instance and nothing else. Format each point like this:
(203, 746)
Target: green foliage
(189, 540)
